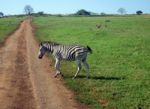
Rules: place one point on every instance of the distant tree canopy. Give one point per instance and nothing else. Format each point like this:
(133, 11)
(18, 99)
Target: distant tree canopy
(83, 12)
(103, 14)
(41, 13)
(139, 12)
(1, 14)
(28, 10)
(121, 11)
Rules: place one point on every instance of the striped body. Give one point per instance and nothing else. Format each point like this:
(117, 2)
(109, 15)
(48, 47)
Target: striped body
(66, 52)
(70, 53)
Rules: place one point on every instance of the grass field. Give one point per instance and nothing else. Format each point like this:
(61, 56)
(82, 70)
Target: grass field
(8, 25)
(119, 65)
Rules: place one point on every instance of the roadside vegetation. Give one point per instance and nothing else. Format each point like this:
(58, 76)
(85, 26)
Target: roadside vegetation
(8, 25)
(119, 65)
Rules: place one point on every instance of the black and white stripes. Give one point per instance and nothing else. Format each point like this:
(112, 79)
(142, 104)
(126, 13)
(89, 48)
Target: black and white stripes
(66, 52)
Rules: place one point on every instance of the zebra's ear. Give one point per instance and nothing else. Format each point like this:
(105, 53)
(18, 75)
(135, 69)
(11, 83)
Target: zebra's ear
(41, 44)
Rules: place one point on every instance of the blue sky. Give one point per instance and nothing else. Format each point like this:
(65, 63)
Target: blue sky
(71, 6)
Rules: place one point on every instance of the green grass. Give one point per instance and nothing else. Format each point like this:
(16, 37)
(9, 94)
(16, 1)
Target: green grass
(119, 65)
(8, 25)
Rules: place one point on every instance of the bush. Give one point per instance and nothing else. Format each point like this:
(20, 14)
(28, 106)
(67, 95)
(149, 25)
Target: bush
(139, 12)
(83, 12)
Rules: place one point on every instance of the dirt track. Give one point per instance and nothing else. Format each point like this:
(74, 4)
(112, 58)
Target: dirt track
(27, 82)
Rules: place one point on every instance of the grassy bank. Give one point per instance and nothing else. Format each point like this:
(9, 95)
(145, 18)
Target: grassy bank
(119, 65)
(8, 25)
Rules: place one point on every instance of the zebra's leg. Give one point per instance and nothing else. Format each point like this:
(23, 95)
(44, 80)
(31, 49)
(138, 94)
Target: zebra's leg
(86, 68)
(79, 68)
(57, 67)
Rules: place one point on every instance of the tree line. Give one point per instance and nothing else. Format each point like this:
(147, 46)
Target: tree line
(28, 10)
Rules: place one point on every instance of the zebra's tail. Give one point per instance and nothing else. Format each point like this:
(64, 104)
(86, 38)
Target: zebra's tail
(89, 49)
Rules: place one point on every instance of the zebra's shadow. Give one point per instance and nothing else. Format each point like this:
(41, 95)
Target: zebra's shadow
(107, 78)
(99, 77)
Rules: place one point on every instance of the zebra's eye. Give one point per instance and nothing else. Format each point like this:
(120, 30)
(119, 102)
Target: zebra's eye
(43, 49)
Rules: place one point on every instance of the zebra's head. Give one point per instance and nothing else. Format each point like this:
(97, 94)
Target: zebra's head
(46, 46)
(42, 50)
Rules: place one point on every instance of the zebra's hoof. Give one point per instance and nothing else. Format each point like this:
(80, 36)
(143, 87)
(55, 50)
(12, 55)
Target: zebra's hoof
(55, 76)
(62, 75)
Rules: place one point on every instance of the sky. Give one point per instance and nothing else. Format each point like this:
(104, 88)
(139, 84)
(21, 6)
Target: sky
(10, 7)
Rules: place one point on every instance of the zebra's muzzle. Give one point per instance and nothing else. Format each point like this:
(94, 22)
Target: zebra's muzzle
(40, 57)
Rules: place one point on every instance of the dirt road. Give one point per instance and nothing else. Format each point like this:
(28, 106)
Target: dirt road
(27, 82)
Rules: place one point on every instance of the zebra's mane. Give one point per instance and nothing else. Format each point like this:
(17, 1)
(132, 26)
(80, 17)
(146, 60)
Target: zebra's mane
(50, 42)
(55, 43)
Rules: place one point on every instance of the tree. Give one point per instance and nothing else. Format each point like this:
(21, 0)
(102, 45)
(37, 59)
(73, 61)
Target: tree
(83, 12)
(121, 11)
(103, 14)
(139, 12)
(1, 14)
(28, 10)
(41, 13)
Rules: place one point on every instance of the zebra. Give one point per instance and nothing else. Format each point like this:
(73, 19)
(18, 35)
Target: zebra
(66, 52)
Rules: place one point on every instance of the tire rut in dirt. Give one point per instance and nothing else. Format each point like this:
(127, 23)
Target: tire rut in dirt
(22, 87)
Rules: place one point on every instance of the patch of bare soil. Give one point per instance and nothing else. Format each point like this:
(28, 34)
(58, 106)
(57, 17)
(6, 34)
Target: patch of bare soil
(27, 82)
